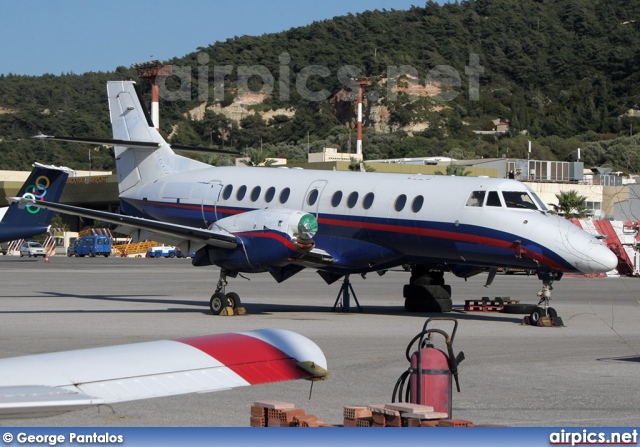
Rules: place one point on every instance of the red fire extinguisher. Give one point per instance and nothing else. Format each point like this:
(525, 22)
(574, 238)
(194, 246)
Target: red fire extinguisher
(431, 370)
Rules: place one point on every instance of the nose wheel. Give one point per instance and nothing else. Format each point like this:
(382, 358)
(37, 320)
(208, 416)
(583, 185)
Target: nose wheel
(543, 309)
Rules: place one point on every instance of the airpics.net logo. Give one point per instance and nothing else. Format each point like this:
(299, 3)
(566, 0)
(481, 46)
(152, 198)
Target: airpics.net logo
(587, 437)
(189, 83)
(37, 192)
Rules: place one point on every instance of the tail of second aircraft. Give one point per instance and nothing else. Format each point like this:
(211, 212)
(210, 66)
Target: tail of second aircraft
(44, 183)
(148, 156)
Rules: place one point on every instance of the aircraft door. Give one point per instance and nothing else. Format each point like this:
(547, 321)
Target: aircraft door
(207, 195)
(311, 199)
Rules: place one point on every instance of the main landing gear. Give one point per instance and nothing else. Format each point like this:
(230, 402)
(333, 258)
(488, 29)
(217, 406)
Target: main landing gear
(543, 309)
(220, 299)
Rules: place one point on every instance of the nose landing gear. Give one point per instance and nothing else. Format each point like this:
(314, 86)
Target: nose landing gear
(544, 314)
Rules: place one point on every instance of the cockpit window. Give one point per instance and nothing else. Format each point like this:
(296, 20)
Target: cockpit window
(493, 199)
(476, 198)
(540, 203)
(519, 199)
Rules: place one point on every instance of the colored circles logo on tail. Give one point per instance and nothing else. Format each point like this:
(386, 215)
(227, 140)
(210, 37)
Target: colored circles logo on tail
(37, 192)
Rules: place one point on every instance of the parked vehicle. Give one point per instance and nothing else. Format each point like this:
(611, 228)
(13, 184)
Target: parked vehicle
(71, 249)
(92, 246)
(30, 248)
(4, 247)
(163, 251)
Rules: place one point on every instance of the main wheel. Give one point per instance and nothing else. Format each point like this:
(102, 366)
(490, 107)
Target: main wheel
(535, 315)
(233, 300)
(217, 303)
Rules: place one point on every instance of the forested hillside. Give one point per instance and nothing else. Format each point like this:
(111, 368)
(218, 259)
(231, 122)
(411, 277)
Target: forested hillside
(563, 73)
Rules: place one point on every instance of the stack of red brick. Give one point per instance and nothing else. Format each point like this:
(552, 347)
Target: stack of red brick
(283, 414)
(399, 415)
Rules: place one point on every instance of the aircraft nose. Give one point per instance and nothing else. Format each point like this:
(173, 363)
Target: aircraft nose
(598, 259)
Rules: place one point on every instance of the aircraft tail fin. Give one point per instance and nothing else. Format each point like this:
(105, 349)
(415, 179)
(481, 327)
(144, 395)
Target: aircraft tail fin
(130, 121)
(44, 183)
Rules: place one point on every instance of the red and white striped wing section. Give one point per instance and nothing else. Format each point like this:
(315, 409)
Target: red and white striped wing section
(161, 368)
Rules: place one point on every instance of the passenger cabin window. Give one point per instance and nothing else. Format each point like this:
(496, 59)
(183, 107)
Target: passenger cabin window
(367, 201)
(518, 199)
(227, 192)
(493, 199)
(284, 195)
(417, 203)
(255, 193)
(312, 198)
(241, 192)
(268, 196)
(336, 199)
(352, 199)
(401, 201)
(476, 198)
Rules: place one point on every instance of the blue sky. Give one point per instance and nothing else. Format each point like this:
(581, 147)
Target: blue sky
(76, 36)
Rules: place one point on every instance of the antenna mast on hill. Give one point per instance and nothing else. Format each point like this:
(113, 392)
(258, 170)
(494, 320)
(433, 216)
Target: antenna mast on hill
(153, 70)
(361, 82)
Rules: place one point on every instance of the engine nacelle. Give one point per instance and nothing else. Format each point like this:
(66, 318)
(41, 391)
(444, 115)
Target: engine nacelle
(266, 238)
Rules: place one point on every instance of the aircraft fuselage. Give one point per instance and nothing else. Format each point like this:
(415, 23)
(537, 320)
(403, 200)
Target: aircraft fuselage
(378, 220)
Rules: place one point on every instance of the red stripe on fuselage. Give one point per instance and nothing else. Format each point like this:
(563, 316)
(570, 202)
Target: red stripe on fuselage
(254, 360)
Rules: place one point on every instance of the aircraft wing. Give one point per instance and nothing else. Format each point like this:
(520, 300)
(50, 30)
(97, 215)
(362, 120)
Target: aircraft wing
(49, 384)
(217, 238)
(17, 402)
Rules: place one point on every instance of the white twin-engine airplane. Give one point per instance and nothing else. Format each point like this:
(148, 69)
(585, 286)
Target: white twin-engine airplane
(249, 220)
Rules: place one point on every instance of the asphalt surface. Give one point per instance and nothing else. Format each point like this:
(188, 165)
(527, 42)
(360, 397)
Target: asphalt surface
(584, 374)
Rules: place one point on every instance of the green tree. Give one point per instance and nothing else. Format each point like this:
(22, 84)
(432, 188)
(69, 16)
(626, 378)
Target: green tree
(571, 205)
(258, 158)
(454, 169)
(355, 165)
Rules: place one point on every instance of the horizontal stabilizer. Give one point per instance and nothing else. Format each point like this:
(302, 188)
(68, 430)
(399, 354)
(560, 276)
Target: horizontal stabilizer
(103, 142)
(136, 144)
(210, 150)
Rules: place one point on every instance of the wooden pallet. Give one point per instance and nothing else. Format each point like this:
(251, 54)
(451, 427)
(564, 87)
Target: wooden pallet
(488, 305)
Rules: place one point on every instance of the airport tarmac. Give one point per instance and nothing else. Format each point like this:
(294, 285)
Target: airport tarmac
(584, 374)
